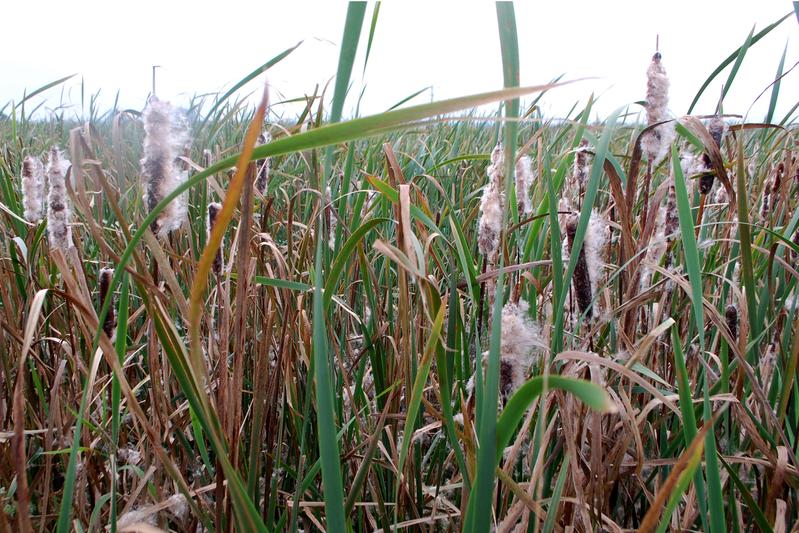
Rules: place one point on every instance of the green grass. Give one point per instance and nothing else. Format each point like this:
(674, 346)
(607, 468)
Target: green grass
(361, 319)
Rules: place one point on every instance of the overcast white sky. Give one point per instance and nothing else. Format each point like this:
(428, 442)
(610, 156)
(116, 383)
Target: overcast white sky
(451, 46)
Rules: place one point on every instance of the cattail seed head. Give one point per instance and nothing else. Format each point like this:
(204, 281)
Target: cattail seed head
(521, 337)
(208, 158)
(33, 189)
(717, 128)
(331, 219)
(110, 322)
(731, 316)
(489, 227)
(520, 347)
(721, 193)
(582, 163)
(671, 220)
(58, 230)
(707, 178)
(263, 167)
(213, 212)
(588, 268)
(771, 192)
(655, 143)
(581, 281)
(166, 138)
(511, 376)
(524, 181)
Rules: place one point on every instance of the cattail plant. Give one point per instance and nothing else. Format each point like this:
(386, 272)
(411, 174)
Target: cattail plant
(332, 221)
(656, 142)
(520, 347)
(575, 184)
(33, 189)
(671, 218)
(110, 322)
(213, 212)
(582, 163)
(716, 127)
(654, 252)
(589, 261)
(58, 230)
(771, 191)
(524, 181)
(263, 167)
(489, 227)
(731, 317)
(166, 137)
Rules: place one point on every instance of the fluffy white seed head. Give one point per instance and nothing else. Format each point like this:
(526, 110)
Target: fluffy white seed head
(588, 271)
(524, 181)
(129, 455)
(33, 189)
(520, 347)
(58, 230)
(717, 128)
(489, 227)
(331, 238)
(166, 138)
(582, 163)
(655, 251)
(595, 239)
(521, 336)
(264, 166)
(497, 162)
(178, 506)
(655, 143)
(692, 164)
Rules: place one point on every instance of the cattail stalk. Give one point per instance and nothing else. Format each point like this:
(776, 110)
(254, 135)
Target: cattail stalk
(33, 189)
(58, 230)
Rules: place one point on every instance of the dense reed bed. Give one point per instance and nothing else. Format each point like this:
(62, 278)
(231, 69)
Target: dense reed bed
(428, 319)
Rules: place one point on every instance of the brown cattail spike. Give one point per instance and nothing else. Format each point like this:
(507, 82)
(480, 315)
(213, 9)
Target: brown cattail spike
(581, 280)
(213, 212)
(731, 315)
(110, 322)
